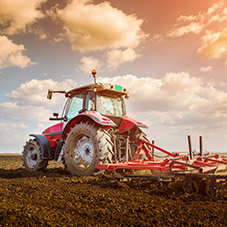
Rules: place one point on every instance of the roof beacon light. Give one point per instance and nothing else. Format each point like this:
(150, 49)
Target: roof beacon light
(94, 74)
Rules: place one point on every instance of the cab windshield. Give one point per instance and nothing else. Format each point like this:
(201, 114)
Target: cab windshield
(110, 105)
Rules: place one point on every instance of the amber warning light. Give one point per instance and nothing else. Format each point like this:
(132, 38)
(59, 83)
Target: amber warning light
(94, 74)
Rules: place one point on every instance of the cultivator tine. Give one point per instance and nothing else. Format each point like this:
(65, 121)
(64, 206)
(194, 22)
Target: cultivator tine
(201, 146)
(152, 150)
(127, 149)
(190, 146)
(213, 186)
(189, 184)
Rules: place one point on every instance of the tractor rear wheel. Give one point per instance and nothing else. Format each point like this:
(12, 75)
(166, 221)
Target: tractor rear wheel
(32, 160)
(85, 146)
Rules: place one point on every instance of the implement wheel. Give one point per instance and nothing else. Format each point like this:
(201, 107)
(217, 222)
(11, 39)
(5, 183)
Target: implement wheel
(190, 185)
(32, 160)
(85, 146)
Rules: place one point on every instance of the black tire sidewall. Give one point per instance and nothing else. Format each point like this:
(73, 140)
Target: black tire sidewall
(40, 164)
(80, 130)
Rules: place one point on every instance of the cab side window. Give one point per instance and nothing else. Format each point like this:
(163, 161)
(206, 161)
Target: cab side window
(76, 104)
(90, 101)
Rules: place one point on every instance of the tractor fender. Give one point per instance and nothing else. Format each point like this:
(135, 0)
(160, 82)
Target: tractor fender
(128, 124)
(92, 116)
(44, 145)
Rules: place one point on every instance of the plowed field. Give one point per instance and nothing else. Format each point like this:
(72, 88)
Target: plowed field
(55, 198)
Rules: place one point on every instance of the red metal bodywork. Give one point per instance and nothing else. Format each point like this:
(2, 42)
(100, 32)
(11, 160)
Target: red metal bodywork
(53, 133)
(58, 131)
(54, 128)
(128, 123)
(93, 116)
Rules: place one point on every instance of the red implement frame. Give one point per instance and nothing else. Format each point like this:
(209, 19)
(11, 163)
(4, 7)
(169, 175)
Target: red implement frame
(177, 162)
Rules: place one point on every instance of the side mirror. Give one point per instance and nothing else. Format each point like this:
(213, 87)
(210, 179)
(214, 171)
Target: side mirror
(56, 118)
(49, 94)
(55, 114)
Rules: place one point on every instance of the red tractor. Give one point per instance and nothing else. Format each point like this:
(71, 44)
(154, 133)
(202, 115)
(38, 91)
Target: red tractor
(93, 127)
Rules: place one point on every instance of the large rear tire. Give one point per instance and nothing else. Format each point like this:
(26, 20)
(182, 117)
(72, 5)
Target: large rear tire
(85, 146)
(32, 160)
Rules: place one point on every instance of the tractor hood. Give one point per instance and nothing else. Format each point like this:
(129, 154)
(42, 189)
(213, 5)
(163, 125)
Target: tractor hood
(57, 128)
(129, 123)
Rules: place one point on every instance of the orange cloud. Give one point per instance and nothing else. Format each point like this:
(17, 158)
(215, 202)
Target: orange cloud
(194, 27)
(89, 63)
(91, 26)
(98, 27)
(15, 15)
(196, 23)
(211, 25)
(214, 45)
(115, 57)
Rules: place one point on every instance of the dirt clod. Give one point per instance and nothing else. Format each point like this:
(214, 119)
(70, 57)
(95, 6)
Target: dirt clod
(55, 198)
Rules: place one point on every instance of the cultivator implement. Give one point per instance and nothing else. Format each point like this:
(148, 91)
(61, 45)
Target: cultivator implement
(194, 169)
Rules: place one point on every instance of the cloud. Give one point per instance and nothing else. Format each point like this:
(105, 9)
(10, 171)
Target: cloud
(89, 63)
(11, 54)
(115, 34)
(178, 100)
(17, 122)
(16, 15)
(116, 57)
(23, 114)
(193, 27)
(197, 23)
(113, 59)
(186, 18)
(6, 127)
(206, 69)
(215, 7)
(34, 92)
(211, 25)
(215, 13)
(90, 26)
(157, 38)
(214, 45)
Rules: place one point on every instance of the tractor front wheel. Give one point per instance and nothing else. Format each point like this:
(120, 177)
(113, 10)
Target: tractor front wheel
(85, 146)
(32, 160)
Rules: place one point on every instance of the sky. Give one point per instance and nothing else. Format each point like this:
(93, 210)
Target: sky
(170, 54)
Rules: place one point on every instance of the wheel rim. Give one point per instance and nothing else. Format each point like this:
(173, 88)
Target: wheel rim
(83, 154)
(32, 157)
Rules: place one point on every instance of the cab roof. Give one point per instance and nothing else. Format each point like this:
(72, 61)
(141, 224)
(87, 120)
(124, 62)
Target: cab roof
(102, 88)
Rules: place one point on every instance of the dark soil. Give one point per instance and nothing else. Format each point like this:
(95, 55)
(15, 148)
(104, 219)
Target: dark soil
(55, 198)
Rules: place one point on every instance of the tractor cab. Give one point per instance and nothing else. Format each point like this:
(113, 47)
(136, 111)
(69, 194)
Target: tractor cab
(105, 99)
(98, 99)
